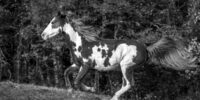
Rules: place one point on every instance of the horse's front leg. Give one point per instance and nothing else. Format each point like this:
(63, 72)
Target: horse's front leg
(82, 72)
(68, 71)
(87, 88)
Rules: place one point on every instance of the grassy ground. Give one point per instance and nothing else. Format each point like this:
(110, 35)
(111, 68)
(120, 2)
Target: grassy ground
(14, 91)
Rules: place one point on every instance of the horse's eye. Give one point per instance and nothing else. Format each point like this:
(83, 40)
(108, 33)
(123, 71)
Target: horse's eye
(53, 22)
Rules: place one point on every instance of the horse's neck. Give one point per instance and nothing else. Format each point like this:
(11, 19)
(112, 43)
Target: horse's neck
(75, 41)
(73, 45)
(74, 36)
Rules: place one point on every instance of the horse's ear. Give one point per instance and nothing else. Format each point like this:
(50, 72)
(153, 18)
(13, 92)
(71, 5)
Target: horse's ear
(67, 10)
(61, 14)
(61, 11)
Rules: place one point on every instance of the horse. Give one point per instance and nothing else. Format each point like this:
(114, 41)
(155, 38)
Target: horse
(114, 55)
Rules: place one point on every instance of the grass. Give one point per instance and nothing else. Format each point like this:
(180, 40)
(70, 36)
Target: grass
(14, 91)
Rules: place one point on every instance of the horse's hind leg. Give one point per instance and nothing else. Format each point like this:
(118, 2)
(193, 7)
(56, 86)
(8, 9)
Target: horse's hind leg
(126, 81)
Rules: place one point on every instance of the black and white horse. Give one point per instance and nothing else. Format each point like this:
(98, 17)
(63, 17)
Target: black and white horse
(115, 55)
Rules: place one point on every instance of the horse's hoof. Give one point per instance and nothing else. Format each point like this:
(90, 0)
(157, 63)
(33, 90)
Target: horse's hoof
(77, 87)
(87, 88)
(92, 90)
(114, 98)
(68, 86)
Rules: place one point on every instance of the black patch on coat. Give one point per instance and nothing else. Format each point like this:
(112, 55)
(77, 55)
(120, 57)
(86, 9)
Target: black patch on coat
(98, 49)
(141, 55)
(103, 53)
(71, 46)
(94, 63)
(106, 62)
(79, 48)
(59, 20)
(87, 47)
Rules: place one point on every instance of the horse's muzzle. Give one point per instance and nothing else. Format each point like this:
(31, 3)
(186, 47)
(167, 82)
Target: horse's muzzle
(43, 36)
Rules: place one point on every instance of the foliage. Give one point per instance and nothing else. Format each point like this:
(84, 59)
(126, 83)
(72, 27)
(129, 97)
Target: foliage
(26, 58)
(33, 92)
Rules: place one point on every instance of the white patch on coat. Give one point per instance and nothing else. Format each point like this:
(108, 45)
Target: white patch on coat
(68, 29)
(97, 55)
(73, 65)
(123, 55)
(77, 53)
(49, 31)
(128, 52)
(105, 47)
(85, 60)
(74, 37)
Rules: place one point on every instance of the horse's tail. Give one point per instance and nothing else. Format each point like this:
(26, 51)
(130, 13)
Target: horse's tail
(172, 54)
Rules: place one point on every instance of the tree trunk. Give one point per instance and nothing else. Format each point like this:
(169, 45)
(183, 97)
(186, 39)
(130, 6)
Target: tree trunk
(1, 66)
(18, 60)
(17, 70)
(48, 77)
(41, 75)
(56, 64)
(97, 81)
(56, 75)
(39, 70)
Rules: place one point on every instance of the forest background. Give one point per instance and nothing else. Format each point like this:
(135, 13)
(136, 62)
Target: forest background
(25, 58)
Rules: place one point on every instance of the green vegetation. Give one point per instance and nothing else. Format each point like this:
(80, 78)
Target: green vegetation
(13, 91)
(25, 58)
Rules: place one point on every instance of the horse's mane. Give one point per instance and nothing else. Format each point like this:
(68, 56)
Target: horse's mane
(90, 33)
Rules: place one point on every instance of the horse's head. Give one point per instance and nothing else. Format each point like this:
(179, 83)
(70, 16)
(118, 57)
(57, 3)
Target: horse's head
(61, 23)
(55, 26)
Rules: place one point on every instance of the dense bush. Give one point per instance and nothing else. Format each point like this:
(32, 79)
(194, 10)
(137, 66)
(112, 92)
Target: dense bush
(25, 58)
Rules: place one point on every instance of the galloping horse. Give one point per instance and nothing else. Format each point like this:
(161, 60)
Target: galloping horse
(115, 55)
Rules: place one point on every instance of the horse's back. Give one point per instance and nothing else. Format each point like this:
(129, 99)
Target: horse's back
(128, 48)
